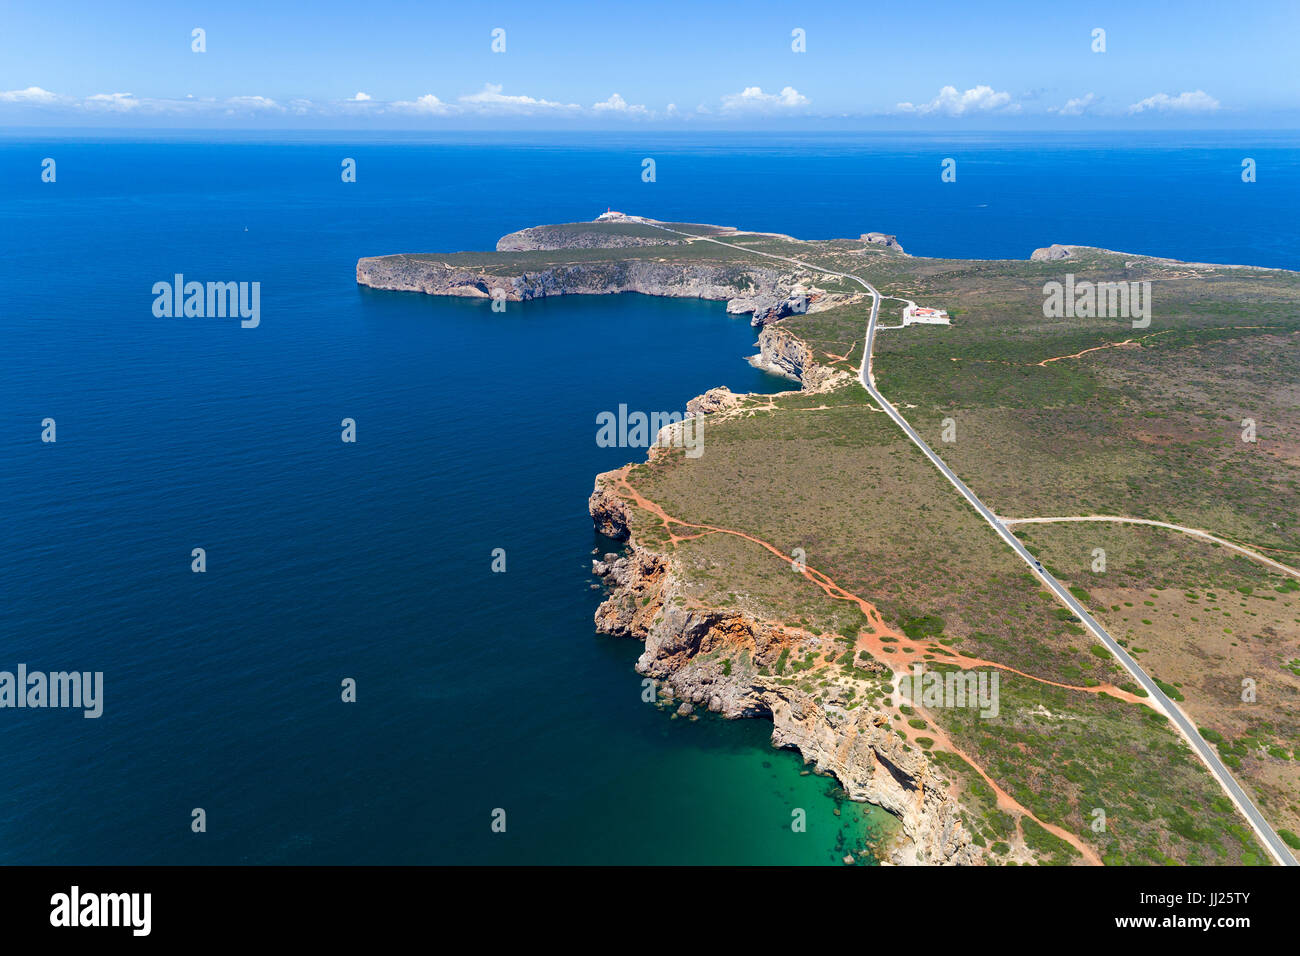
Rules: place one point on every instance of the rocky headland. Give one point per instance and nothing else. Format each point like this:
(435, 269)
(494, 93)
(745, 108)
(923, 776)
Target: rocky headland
(857, 746)
(529, 269)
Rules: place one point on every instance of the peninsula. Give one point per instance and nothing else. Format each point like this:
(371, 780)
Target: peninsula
(1027, 577)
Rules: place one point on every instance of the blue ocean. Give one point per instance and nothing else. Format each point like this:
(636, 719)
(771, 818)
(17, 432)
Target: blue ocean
(476, 692)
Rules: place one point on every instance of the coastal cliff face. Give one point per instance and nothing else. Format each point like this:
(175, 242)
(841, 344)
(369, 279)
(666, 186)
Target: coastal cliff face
(704, 656)
(766, 292)
(883, 239)
(1050, 253)
(686, 648)
(782, 352)
(745, 289)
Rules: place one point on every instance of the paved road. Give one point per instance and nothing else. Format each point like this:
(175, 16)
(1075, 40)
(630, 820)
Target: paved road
(1157, 698)
(1272, 842)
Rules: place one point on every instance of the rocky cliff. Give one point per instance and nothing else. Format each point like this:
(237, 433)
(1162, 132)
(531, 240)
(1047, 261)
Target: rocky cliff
(566, 259)
(882, 239)
(744, 288)
(782, 352)
(687, 649)
(1050, 253)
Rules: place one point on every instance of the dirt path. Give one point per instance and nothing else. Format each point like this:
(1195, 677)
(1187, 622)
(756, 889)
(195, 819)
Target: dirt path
(1137, 342)
(1193, 532)
(1096, 348)
(1006, 802)
(873, 642)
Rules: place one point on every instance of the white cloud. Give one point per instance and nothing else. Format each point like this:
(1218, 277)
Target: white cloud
(616, 104)
(1193, 102)
(978, 99)
(491, 98)
(490, 101)
(33, 94)
(428, 103)
(753, 98)
(1074, 107)
(117, 102)
(130, 103)
(256, 103)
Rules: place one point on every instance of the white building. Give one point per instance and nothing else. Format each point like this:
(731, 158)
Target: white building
(914, 314)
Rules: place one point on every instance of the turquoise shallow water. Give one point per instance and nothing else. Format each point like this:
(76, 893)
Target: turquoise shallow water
(476, 430)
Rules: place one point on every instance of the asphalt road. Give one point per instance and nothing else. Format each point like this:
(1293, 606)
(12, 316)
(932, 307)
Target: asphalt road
(1156, 697)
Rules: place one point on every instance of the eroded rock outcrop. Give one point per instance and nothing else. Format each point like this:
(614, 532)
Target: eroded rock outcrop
(744, 288)
(712, 658)
(609, 513)
(635, 583)
(770, 308)
(784, 353)
(1050, 253)
(765, 292)
(723, 659)
(714, 400)
(882, 239)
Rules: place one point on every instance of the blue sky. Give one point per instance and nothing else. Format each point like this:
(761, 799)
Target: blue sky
(668, 64)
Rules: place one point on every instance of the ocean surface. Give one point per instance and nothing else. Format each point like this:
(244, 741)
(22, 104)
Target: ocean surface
(476, 691)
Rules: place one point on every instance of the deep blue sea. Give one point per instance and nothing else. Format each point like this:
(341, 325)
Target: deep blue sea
(325, 560)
